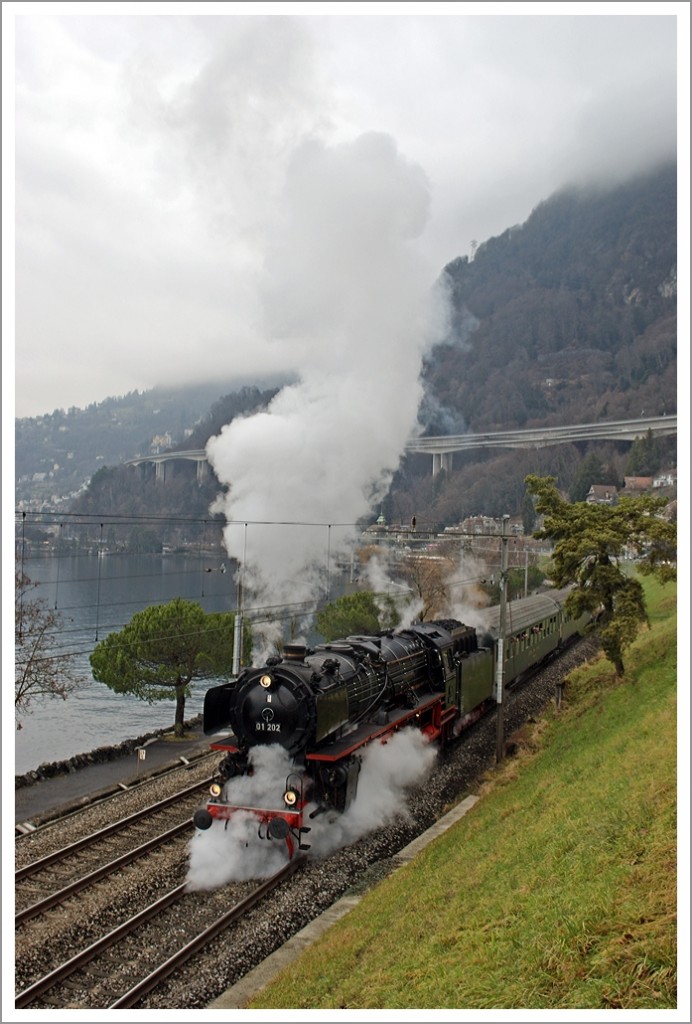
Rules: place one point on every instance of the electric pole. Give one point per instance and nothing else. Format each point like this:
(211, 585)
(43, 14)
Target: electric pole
(238, 627)
(502, 640)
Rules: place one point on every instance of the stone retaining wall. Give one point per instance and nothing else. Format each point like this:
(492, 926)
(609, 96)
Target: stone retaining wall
(99, 756)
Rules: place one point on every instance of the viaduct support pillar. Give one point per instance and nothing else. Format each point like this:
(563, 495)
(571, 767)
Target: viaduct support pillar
(442, 460)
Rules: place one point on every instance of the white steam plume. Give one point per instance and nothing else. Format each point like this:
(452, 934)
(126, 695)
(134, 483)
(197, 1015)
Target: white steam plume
(464, 598)
(467, 600)
(408, 605)
(388, 771)
(234, 852)
(345, 289)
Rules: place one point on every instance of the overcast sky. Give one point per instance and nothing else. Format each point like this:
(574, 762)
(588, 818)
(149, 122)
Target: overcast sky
(158, 146)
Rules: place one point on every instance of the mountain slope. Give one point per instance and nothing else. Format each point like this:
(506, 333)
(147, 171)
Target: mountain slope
(569, 318)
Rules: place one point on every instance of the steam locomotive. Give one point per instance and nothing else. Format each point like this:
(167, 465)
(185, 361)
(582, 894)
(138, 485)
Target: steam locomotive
(323, 706)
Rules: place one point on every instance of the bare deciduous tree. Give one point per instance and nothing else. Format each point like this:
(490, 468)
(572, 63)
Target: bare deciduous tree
(428, 578)
(41, 670)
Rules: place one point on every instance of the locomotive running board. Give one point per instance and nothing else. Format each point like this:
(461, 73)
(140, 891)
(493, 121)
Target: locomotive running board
(399, 717)
(228, 744)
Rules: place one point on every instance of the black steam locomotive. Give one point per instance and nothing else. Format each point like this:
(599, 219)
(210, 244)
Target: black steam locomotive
(324, 706)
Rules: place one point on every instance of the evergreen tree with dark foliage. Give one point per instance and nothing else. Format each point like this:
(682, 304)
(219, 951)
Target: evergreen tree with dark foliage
(644, 456)
(362, 613)
(590, 473)
(588, 546)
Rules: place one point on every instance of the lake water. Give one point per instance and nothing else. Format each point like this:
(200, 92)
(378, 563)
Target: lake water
(93, 597)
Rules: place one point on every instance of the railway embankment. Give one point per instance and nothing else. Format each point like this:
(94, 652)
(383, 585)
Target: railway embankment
(558, 890)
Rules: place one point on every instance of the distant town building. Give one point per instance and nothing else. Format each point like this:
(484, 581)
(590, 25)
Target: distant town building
(668, 478)
(484, 525)
(160, 441)
(638, 484)
(602, 494)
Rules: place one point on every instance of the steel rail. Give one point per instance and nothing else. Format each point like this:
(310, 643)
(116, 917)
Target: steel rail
(200, 941)
(38, 865)
(58, 897)
(28, 995)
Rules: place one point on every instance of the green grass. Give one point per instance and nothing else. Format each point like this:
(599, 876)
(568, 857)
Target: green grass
(558, 890)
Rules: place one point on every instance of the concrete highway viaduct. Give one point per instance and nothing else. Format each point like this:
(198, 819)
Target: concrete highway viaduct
(442, 448)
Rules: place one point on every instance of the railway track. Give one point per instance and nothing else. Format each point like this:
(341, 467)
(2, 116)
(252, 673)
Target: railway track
(69, 895)
(83, 882)
(49, 880)
(91, 969)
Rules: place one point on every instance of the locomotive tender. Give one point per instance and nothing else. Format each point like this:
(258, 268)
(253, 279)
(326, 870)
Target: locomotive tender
(324, 706)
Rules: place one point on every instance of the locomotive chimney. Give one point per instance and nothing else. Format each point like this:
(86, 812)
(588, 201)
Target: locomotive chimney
(294, 652)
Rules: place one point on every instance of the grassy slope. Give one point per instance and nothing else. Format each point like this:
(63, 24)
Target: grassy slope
(558, 890)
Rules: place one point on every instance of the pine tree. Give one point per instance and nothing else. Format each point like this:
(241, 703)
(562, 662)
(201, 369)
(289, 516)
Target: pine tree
(589, 542)
(162, 650)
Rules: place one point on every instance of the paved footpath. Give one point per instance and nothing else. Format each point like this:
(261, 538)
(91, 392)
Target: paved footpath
(44, 799)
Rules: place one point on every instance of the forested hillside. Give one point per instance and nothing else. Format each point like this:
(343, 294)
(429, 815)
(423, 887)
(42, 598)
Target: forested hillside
(57, 453)
(569, 318)
(120, 490)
